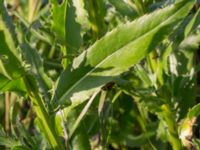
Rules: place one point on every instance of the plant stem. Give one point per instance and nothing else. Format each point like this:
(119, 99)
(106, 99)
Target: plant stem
(7, 112)
(173, 136)
(33, 4)
(44, 118)
(47, 126)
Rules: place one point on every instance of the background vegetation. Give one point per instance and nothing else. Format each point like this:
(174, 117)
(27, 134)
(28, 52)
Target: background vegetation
(99, 74)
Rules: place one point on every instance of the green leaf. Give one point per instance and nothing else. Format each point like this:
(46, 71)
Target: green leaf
(194, 111)
(9, 55)
(80, 139)
(123, 8)
(190, 43)
(9, 63)
(66, 27)
(7, 141)
(193, 23)
(20, 148)
(16, 85)
(116, 52)
(81, 13)
(97, 12)
(139, 7)
(3, 80)
(58, 13)
(35, 31)
(183, 74)
(34, 61)
(73, 29)
(134, 141)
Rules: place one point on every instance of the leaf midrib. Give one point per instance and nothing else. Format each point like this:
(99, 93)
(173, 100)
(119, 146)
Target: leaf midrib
(63, 97)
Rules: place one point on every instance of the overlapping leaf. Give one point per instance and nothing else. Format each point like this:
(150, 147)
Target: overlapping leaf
(116, 52)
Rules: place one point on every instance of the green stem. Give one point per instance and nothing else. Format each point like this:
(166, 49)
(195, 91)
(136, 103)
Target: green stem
(46, 125)
(80, 139)
(7, 112)
(173, 136)
(155, 66)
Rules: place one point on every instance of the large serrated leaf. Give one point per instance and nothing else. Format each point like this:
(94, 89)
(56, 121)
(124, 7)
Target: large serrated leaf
(116, 52)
